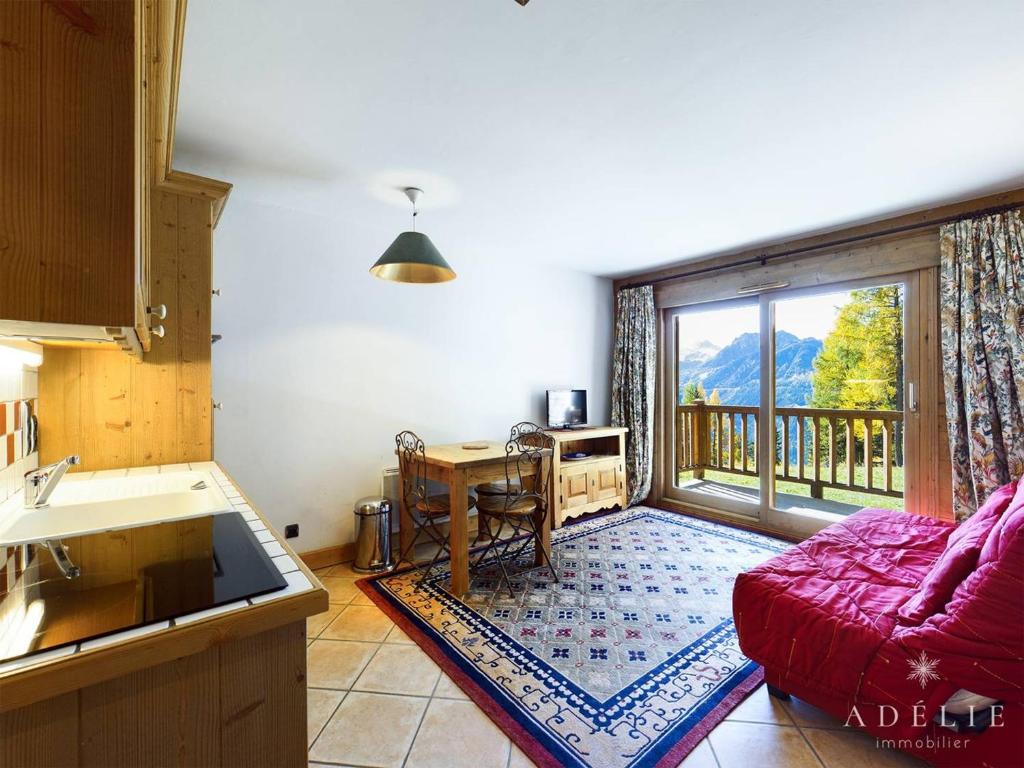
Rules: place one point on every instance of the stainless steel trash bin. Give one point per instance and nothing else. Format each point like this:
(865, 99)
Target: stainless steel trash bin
(373, 535)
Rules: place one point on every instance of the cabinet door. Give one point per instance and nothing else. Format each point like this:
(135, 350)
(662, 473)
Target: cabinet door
(575, 487)
(604, 481)
(67, 149)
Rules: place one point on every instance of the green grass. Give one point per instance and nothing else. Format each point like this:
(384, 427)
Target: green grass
(856, 498)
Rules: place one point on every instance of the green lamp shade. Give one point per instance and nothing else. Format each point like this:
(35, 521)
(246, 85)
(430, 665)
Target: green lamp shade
(412, 258)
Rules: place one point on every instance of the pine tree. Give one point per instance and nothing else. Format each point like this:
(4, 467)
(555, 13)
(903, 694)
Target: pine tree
(693, 391)
(860, 365)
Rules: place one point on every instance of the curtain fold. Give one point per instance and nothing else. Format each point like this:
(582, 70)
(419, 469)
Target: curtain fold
(982, 321)
(634, 366)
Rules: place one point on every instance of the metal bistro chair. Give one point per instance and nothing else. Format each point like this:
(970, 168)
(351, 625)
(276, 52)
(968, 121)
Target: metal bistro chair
(513, 505)
(428, 512)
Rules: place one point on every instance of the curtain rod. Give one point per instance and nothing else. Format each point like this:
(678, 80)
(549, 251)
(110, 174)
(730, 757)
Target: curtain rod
(763, 259)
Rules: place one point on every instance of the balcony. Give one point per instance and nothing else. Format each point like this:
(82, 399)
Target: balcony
(716, 455)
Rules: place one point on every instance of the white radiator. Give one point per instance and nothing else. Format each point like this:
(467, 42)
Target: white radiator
(391, 489)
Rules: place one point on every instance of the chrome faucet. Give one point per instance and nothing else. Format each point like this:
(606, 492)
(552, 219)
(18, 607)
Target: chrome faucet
(40, 483)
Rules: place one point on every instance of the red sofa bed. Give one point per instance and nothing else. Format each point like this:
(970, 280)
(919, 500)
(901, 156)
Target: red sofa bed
(881, 618)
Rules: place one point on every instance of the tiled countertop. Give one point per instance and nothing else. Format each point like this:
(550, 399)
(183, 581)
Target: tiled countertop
(281, 555)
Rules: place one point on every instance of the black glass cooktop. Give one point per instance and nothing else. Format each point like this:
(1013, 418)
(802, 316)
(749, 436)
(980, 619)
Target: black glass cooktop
(128, 579)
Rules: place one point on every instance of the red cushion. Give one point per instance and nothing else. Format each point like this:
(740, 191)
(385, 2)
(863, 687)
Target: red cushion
(958, 560)
(1004, 529)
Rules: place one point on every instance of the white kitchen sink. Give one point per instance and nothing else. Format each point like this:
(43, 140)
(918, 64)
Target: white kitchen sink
(82, 504)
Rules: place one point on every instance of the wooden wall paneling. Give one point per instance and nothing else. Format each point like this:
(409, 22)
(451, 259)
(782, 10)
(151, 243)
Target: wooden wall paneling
(86, 163)
(240, 703)
(195, 278)
(60, 410)
(181, 696)
(20, 78)
(84, 397)
(106, 409)
(197, 737)
(155, 378)
(263, 699)
(42, 734)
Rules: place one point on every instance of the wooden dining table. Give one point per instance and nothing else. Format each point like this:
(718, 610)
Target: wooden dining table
(461, 468)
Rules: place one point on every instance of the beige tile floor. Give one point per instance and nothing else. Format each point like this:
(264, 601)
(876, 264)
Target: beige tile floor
(377, 701)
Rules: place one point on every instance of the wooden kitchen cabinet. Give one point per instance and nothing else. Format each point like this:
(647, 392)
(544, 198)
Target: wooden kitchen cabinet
(73, 261)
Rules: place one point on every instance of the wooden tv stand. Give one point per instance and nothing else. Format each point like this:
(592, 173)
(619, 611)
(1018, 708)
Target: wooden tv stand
(591, 484)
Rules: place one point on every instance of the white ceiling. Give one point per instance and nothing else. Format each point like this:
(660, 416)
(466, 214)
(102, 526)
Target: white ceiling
(604, 135)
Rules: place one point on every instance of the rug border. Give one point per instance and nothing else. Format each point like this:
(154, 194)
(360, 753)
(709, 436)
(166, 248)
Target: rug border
(519, 735)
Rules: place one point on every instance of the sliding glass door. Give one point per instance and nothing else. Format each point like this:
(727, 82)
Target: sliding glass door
(716, 382)
(789, 406)
(839, 398)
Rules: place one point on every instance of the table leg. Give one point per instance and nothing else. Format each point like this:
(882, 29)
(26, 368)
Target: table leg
(458, 490)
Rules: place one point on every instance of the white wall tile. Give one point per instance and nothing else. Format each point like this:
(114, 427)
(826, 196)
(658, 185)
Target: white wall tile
(15, 385)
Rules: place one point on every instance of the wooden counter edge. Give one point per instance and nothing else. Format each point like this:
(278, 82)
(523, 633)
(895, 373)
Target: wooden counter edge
(68, 673)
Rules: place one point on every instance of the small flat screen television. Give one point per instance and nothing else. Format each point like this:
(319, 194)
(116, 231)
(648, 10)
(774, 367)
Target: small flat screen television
(567, 407)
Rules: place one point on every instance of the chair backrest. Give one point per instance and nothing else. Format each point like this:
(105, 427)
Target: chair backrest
(412, 465)
(525, 453)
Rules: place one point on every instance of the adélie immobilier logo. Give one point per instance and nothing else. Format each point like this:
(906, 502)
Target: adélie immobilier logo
(970, 719)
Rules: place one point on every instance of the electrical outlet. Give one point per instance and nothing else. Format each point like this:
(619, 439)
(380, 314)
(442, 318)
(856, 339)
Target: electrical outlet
(291, 531)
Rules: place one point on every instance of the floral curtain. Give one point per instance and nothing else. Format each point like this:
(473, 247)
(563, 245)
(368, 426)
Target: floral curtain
(634, 363)
(982, 317)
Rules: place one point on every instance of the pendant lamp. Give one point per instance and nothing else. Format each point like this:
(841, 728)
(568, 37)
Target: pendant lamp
(412, 258)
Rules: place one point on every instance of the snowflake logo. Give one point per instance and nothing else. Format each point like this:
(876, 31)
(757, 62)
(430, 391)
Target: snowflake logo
(922, 669)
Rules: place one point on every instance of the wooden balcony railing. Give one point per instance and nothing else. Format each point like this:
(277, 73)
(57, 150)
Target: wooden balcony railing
(837, 442)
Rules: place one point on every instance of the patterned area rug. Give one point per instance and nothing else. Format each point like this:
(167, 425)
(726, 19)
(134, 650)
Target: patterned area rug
(627, 661)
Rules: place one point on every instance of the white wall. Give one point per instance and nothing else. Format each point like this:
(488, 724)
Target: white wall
(321, 363)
